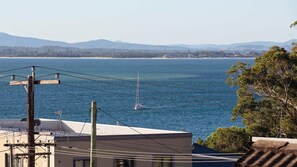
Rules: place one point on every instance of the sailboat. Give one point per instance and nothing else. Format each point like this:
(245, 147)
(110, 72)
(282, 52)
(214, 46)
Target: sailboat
(138, 105)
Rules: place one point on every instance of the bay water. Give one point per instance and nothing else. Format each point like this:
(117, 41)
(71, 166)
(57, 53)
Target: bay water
(180, 94)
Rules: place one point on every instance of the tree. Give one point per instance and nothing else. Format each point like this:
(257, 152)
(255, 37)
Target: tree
(294, 24)
(267, 100)
(229, 140)
(267, 94)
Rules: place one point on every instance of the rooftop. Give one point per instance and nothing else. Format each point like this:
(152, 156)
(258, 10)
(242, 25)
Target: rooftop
(72, 128)
(270, 152)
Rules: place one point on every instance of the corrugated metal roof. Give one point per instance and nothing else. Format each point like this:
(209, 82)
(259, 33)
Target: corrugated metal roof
(270, 153)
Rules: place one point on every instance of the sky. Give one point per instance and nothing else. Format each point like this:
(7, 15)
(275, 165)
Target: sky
(151, 21)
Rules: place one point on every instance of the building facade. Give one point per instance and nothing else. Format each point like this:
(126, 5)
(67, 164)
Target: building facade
(67, 144)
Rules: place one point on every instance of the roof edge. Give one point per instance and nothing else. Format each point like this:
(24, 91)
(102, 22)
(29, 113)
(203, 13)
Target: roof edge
(123, 137)
(289, 140)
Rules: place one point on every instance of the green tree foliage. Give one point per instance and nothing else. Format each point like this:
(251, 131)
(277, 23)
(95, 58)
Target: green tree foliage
(229, 140)
(267, 100)
(294, 24)
(267, 93)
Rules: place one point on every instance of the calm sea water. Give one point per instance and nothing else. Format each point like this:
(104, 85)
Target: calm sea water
(181, 94)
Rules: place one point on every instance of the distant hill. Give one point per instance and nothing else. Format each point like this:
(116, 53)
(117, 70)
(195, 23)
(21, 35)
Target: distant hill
(10, 40)
(16, 41)
(256, 46)
(106, 44)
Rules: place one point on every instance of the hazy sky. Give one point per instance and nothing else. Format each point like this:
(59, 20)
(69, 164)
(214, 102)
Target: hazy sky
(151, 21)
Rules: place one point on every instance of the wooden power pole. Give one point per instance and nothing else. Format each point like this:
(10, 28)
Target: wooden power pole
(93, 158)
(30, 111)
(30, 123)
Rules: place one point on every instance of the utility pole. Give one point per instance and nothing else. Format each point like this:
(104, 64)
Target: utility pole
(29, 85)
(49, 156)
(11, 156)
(93, 159)
(30, 123)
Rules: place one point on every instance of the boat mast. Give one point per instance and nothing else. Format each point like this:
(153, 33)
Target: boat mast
(137, 90)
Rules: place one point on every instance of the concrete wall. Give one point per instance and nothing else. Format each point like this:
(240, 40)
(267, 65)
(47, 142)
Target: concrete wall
(179, 144)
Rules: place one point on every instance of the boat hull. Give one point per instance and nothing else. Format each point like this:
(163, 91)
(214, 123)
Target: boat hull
(138, 106)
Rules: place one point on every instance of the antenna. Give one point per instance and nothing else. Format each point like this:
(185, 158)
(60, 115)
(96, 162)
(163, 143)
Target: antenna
(60, 118)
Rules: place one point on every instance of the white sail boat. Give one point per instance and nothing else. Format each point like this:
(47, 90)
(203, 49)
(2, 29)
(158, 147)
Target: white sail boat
(138, 105)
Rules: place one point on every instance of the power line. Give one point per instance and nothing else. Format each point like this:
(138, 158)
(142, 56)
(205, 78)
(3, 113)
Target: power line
(5, 76)
(124, 143)
(93, 89)
(193, 99)
(145, 154)
(11, 75)
(148, 158)
(124, 94)
(16, 69)
(20, 76)
(129, 86)
(141, 154)
(118, 79)
(122, 85)
(88, 114)
(174, 101)
(100, 81)
(43, 76)
(139, 132)
(104, 82)
(4, 150)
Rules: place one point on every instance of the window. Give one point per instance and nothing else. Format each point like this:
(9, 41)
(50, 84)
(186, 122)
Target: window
(163, 162)
(124, 163)
(81, 162)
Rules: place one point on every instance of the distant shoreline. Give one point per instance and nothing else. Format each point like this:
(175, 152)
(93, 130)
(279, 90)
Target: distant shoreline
(156, 58)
